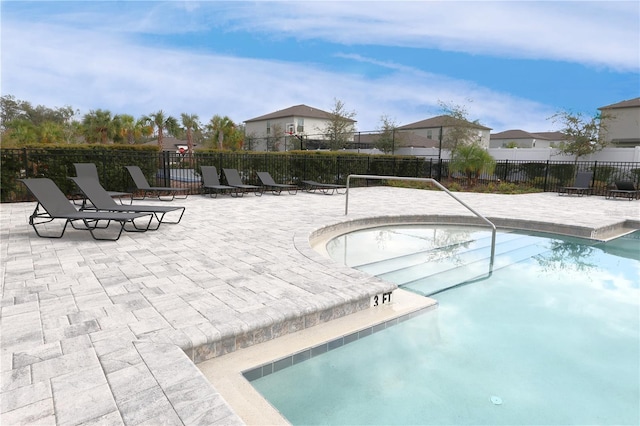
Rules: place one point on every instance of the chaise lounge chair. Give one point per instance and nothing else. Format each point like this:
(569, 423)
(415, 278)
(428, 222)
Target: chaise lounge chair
(234, 179)
(325, 188)
(55, 205)
(100, 200)
(624, 188)
(89, 170)
(211, 182)
(581, 187)
(152, 191)
(269, 184)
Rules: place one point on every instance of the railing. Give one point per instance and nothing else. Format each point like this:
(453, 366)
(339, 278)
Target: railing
(439, 185)
(174, 169)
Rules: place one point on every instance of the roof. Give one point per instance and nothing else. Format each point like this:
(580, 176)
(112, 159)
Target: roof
(295, 111)
(441, 121)
(631, 103)
(521, 134)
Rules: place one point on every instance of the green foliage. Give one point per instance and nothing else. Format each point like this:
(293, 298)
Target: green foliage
(563, 173)
(339, 128)
(386, 141)
(583, 134)
(472, 161)
(56, 162)
(457, 129)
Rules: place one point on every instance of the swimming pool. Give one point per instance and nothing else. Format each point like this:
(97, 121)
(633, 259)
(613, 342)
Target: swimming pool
(552, 336)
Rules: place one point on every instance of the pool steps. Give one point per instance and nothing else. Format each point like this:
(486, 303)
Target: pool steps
(431, 271)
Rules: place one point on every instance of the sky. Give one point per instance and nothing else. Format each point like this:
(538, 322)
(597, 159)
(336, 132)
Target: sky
(507, 64)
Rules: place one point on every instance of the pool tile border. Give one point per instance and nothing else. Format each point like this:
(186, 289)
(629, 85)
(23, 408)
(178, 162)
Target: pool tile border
(322, 348)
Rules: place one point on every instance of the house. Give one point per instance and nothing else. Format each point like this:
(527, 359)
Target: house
(437, 128)
(169, 143)
(523, 139)
(296, 127)
(620, 124)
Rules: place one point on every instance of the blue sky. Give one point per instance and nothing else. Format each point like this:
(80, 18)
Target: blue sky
(509, 64)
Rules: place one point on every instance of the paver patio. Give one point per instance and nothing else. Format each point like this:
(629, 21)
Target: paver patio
(97, 332)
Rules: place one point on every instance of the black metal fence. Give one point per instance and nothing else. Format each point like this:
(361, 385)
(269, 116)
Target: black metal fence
(174, 169)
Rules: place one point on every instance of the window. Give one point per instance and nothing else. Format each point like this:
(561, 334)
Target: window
(300, 128)
(268, 127)
(429, 134)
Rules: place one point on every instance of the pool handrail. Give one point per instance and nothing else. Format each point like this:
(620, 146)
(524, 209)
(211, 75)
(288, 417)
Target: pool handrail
(439, 185)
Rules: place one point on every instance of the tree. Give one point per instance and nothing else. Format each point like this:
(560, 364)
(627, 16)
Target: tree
(459, 130)
(131, 130)
(389, 138)
(276, 136)
(583, 134)
(99, 126)
(161, 122)
(190, 124)
(472, 161)
(340, 126)
(220, 128)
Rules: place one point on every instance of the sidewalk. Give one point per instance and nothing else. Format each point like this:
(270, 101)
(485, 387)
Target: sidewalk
(98, 332)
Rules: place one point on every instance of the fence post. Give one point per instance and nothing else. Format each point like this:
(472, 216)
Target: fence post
(25, 162)
(546, 177)
(166, 171)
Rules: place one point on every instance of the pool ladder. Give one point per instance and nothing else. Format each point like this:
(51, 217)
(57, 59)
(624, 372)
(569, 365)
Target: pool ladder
(439, 185)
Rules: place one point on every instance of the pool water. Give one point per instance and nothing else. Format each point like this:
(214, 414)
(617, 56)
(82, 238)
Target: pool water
(550, 339)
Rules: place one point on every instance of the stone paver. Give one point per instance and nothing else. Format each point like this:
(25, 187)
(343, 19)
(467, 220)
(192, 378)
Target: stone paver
(108, 332)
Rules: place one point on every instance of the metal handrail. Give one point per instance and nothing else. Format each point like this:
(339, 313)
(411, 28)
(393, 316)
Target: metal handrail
(439, 185)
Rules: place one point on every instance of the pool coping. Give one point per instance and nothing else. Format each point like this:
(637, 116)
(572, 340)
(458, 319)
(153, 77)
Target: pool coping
(227, 373)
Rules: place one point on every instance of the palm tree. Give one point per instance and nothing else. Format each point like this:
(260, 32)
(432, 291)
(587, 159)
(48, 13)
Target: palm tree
(162, 123)
(472, 160)
(190, 124)
(99, 126)
(132, 129)
(220, 128)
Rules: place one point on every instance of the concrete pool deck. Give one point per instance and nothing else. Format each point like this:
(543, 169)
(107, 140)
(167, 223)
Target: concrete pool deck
(98, 332)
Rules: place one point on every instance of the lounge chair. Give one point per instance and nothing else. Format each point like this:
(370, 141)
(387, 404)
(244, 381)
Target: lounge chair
(211, 182)
(55, 205)
(581, 186)
(90, 170)
(100, 200)
(153, 191)
(269, 184)
(234, 179)
(325, 188)
(624, 188)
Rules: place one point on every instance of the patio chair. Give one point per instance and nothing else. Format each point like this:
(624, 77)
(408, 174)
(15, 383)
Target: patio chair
(53, 204)
(233, 179)
(270, 185)
(90, 170)
(101, 201)
(153, 191)
(325, 188)
(624, 188)
(211, 182)
(582, 185)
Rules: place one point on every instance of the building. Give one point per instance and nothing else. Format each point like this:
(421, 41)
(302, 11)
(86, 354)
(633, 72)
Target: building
(296, 127)
(437, 128)
(620, 124)
(169, 143)
(523, 139)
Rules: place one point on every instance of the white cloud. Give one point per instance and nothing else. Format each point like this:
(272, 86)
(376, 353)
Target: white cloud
(89, 70)
(105, 65)
(602, 34)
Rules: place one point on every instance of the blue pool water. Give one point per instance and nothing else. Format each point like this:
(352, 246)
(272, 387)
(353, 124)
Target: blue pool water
(551, 337)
